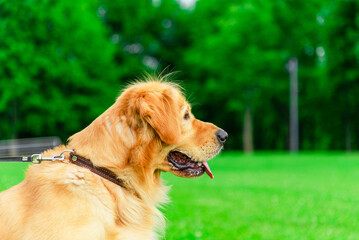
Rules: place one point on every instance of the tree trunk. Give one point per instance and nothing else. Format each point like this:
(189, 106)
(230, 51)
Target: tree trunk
(247, 131)
(292, 67)
(348, 137)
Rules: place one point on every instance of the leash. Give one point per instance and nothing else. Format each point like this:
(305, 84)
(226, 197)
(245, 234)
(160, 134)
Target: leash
(102, 172)
(75, 159)
(36, 158)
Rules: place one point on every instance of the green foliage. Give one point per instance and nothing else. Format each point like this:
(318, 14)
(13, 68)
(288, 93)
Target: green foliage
(56, 67)
(72, 58)
(242, 61)
(237, 73)
(147, 37)
(343, 71)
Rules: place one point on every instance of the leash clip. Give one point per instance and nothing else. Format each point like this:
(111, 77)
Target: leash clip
(38, 158)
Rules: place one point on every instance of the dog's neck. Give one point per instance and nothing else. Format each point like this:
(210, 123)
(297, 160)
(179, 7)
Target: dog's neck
(144, 187)
(110, 144)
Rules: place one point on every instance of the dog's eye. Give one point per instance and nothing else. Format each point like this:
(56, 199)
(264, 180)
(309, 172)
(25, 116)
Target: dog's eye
(186, 116)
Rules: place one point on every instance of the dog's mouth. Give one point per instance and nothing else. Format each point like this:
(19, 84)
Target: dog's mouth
(188, 167)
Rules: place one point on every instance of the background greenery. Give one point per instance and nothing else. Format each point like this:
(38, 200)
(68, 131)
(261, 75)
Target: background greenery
(262, 196)
(64, 62)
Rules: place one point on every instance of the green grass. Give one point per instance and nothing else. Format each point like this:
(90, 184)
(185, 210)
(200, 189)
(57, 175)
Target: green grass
(268, 196)
(261, 196)
(11, 174)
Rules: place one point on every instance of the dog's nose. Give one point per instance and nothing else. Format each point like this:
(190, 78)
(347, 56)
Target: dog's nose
(222, 136)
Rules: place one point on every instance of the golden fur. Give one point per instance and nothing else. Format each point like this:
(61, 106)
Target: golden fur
(132, 138)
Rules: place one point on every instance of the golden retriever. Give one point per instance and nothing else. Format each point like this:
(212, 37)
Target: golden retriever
(148, 130)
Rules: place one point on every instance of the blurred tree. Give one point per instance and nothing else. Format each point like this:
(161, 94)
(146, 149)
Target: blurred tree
(240, 62)
(343, 73)
(234, 61)
(148, 35)
(62, 61)
(55, 60)
(301, 35)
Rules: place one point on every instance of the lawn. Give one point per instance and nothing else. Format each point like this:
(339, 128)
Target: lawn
(260, 196)
(268, 196)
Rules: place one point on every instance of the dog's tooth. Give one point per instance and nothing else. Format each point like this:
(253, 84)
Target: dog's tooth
(199, 164)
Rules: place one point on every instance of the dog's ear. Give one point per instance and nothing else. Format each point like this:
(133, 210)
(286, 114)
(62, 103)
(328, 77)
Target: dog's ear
(160, 110)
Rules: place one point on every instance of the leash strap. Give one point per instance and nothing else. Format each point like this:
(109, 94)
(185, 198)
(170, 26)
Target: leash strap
(75, 159)
(102, 172)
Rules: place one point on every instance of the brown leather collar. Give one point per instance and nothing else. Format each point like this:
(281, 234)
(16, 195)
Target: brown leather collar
(103, 172)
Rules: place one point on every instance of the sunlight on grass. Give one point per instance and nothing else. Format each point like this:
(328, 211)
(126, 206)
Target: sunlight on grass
(11, 174)
(268, 196)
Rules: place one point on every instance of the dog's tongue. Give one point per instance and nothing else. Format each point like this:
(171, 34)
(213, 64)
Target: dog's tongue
(207, 169)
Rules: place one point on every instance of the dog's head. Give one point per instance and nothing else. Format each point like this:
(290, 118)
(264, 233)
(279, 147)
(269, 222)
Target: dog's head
(151, 128)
